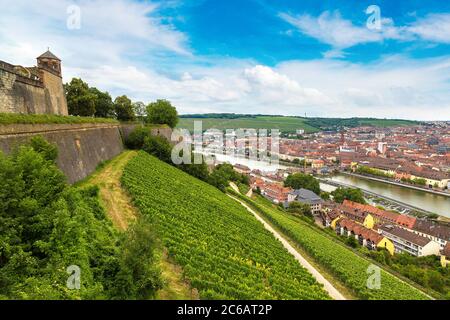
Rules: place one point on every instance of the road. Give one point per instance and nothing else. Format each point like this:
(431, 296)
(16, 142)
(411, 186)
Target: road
(332, 291)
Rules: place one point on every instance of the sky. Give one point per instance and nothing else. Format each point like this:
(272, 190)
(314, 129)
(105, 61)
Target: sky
(339, 58)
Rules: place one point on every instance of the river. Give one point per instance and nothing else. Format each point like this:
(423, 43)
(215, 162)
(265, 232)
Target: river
(420, 199)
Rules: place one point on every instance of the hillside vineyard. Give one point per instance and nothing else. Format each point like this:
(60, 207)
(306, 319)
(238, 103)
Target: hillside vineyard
(350, 268)
(224, 251)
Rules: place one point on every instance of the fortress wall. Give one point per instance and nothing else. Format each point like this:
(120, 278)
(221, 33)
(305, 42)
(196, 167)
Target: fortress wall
(54, 85)
(81, 147)
(21, 95)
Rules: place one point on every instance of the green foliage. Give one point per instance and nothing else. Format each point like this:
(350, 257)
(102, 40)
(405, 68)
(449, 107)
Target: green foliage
(135, 139)
(47, 150)
(200, 171)
(124, 109)
(159, 147)
(325, 195)
(47, 226)
(425, 271)
(347, 266)
(301, 180)
(223, 174)
(15, 118)
(373, 172)
(284, 124)
(162, 112)
(139, 277)
(299, 208)
(351, 241)
(355, 195)
(218, 180)
(224, 251)
(80, 100)
(104, 107)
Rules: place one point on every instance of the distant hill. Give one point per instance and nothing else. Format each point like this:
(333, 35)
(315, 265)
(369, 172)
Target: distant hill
(285, 124)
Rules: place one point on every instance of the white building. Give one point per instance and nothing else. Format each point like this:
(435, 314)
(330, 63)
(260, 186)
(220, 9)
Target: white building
(409, 242)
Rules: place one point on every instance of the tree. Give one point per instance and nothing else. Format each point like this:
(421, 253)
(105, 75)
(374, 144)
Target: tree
(200, 171)
(299, 208)
(80, 100)
(352, 242)
(135, 139)
(218, 179)
(104, 106)
(159, 147)
(124, 109)
(325, 195)
(300, 180)
(162, 112)
(355, 195)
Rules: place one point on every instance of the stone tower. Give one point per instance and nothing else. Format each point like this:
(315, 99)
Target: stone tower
(49, 67)
(33, 90)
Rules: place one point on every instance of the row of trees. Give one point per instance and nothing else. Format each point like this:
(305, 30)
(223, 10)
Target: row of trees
(86, 101)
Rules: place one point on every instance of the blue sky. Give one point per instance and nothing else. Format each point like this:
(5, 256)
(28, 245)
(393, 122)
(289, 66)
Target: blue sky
(250, 56)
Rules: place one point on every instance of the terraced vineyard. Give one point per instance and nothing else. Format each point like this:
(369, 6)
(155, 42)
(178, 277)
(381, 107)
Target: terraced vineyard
(224, 251)
(347, 266)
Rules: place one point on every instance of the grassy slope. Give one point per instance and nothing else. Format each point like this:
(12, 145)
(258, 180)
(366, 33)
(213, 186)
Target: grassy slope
(121, 211)
(284, 124)
(224, 251)
(335, 257)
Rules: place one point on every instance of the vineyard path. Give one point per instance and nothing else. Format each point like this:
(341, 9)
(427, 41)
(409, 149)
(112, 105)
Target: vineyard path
(332, 291)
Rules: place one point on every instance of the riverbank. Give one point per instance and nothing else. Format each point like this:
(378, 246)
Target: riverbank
(440, 193)
(424, 202)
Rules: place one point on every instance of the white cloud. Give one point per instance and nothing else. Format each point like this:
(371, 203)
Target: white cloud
(332, 29)
(120, 40)
(110, 30)
(434, 27)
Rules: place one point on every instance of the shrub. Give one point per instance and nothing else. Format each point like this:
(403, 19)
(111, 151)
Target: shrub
(159, 147)
(47, 150)
(135, 139)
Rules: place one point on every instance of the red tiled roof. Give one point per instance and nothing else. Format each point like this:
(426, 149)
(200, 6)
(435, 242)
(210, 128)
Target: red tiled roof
(360, 230)
(406, 221)
(378, 213)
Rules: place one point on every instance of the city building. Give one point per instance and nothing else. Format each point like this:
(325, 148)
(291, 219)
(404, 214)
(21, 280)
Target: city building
(307, 197)
(366, 237)
(408, 242)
